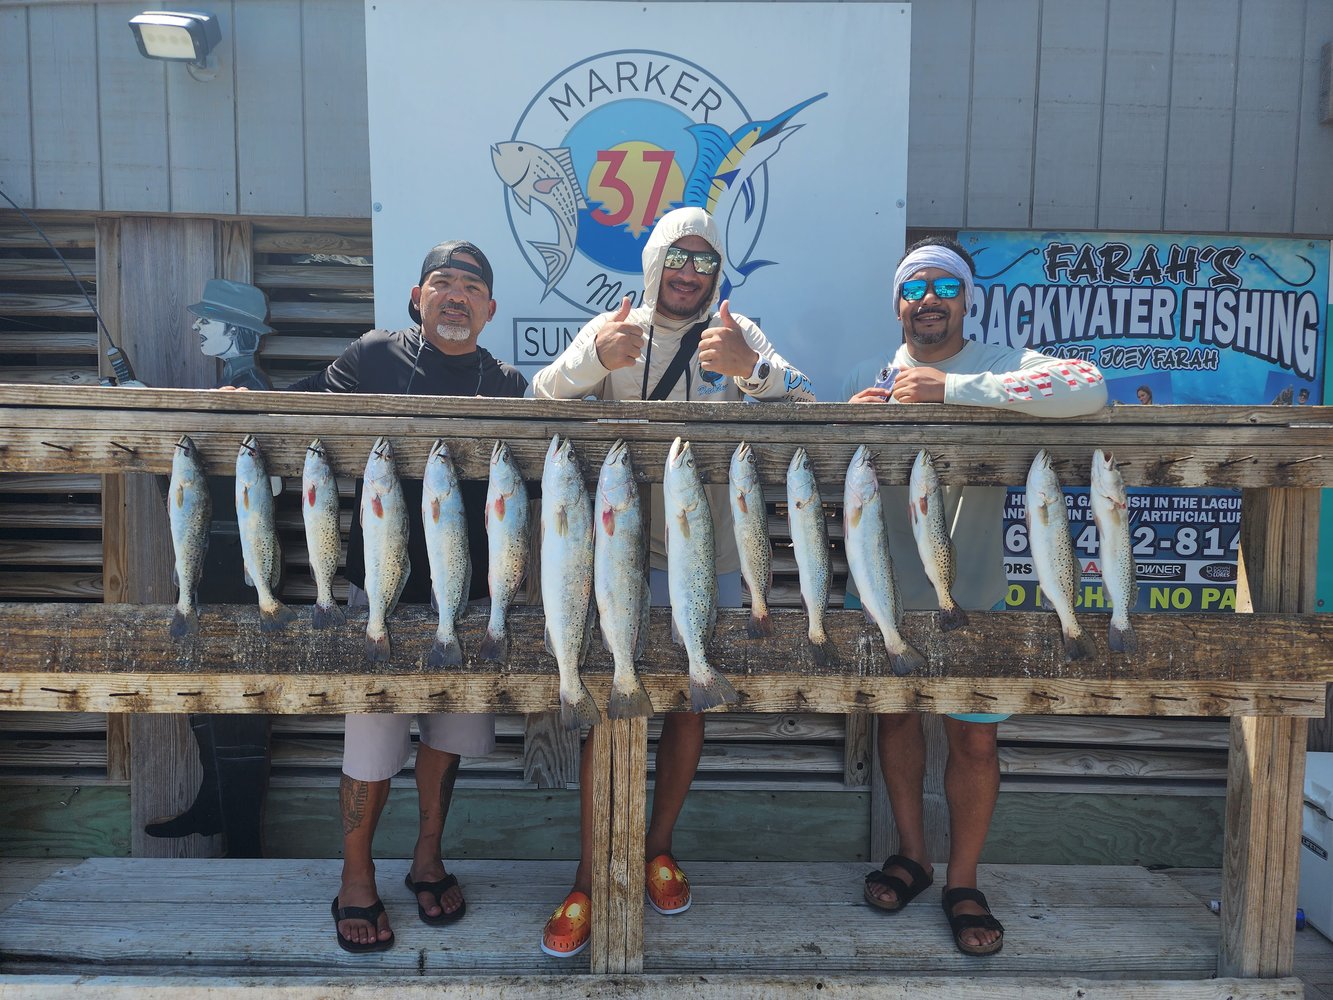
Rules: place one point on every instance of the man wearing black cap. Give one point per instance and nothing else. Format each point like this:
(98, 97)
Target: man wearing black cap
(439, 357)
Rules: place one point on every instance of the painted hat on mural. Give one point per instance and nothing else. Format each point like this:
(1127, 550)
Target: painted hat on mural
(442, 255)
(233, 302)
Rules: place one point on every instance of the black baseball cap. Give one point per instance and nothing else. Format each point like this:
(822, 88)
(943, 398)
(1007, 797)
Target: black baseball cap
(444, 255)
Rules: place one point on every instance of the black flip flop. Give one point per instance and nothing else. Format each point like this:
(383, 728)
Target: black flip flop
(959, 922)
(903, 892)
(436, 889)
(371, 915)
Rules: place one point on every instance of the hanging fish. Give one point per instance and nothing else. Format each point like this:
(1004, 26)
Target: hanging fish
(190, 511)
(1110, 510)
(809, 542)
(620, 580)
(445, 523)
(384, 533)
(933, 541)
(259, 534)
(1058, 572)
(567, 557)
(868, 558)
(749, 522)
(323, 535)
(507, 542)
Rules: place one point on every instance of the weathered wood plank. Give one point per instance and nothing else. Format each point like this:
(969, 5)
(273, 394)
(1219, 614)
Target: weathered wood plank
(51, 515)
(360, 314)
(77, 586)
(15, 232)
(550, 752)
(336, 277)
(35, 269)
(352, 239)
(48, 304)
(47, 343)
(15, 114)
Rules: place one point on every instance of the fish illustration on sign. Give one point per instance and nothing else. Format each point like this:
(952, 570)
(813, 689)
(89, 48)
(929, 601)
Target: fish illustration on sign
(546, 176)
(722, 181)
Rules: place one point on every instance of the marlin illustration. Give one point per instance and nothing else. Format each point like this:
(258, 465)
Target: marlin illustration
(724, 170)
(533, 173)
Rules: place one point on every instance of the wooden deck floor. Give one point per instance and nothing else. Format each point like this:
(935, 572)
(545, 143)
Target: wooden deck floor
(271, 918)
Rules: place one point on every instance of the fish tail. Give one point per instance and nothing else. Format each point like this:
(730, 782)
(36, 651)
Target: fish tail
(760, 624)
(1078, 645)
(273, 618)
(1122, 637)
(631, 704)
(185, 623)
(952, 618)
(328, 615)
(557, 260)
(579, 710)
(377, 647)
(709, 689)
(906, 660)
(495, 646)
(445, 652)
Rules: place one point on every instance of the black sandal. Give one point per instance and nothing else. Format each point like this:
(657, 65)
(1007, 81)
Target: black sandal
(903, 892)
(371, 915)
(960, 922)
(436, 889)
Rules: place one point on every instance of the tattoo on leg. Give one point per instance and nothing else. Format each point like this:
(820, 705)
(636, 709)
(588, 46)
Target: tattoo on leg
(353, 795)
(447, 780)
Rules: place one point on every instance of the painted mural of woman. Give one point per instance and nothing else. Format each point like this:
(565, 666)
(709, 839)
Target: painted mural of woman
(230, 323)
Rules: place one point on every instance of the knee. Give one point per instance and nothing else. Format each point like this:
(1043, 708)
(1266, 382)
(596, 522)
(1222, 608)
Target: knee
(974, 743)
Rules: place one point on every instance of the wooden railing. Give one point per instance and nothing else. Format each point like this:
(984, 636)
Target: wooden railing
(1267, 670)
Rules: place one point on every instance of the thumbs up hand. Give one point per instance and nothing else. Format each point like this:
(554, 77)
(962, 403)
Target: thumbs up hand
(724, 349)
(619, 342)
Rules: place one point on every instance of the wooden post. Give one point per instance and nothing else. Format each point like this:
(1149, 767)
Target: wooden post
(602, 959)
(620, 766)
(149, 270)
(1266, 774)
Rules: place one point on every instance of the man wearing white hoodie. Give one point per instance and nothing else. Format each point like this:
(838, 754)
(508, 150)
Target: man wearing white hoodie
(673, 346)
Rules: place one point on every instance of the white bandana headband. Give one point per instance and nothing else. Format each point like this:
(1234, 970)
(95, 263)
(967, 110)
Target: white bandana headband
(935, 256)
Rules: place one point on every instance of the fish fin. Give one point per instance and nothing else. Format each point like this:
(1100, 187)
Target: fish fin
(760, 624)
(249, 581)
(581, 711)
(557, 260)
(275, 484)
(183, 624)
(1123, 640)
(675, 633)
(494, 647)
(907, 661)
(824, 654)
(952, 618)
(445, 654)
(710, 689)
(274, 618)
(562, 156)
(631, 704)
(1079, 646)
(328, 615)
(377, 649)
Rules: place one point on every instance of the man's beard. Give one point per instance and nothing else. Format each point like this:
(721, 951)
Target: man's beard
(928, 339)
(454, 331)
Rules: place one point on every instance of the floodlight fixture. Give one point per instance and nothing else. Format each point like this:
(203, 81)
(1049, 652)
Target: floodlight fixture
(177, 35)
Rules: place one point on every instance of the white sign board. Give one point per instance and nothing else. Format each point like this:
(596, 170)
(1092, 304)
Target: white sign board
(553, 133)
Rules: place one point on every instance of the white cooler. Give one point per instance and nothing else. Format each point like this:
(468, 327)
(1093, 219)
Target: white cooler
(1315, 895)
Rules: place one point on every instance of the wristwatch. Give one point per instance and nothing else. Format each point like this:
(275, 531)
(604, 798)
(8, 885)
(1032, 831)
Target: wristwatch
(761, 370)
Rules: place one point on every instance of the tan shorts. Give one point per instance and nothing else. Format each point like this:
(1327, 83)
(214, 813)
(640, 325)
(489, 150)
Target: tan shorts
(376, 746)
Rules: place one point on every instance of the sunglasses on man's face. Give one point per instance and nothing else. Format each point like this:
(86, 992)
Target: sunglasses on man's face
(945, 288)
(705, 261)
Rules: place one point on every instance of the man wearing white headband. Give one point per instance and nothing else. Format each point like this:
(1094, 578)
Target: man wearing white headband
(933, 291)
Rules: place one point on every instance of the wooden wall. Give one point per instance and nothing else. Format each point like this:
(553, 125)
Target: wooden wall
(1148, 115)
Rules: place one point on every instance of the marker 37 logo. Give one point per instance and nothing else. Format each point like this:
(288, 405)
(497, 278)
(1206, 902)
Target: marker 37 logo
(613, 143)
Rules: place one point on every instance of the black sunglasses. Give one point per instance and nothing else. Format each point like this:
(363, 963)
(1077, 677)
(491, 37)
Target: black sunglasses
(705, 261)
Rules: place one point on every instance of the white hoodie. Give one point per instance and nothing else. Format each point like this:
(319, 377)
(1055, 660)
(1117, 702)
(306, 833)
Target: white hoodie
(578, 373)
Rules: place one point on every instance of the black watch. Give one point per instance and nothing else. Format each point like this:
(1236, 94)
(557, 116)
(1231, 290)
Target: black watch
(761, 370)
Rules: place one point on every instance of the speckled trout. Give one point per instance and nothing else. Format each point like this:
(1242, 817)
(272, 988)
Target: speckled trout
(1058, 571)
(567, 557)
(507, 547)
(749, 522)
(190, 511)
(384, 533)
(933, 541)
(620, 580)
(692, 575)
(871, 565)
(323, 537)
(259, 534)
(445, 522)
(809, 542)
(1110, 510)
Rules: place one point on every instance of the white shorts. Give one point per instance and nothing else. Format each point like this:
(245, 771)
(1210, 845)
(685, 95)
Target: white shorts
(376, 746)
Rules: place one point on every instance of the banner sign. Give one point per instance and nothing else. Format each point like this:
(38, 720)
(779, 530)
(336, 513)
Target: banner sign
(1167, 319)
(557, 153)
